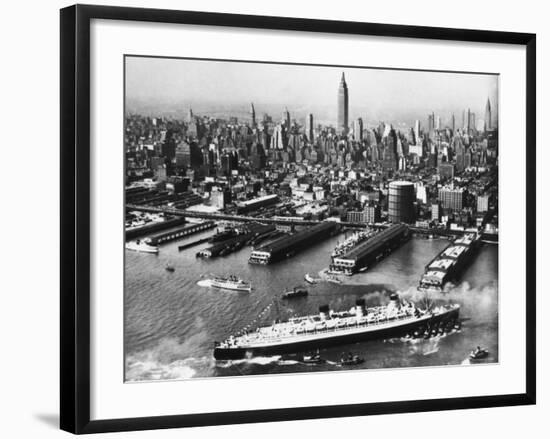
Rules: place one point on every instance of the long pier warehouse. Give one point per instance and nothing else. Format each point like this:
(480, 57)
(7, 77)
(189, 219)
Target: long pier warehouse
(370, 251)
(291, 244)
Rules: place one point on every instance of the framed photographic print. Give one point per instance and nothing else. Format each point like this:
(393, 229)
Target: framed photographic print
(272, 218)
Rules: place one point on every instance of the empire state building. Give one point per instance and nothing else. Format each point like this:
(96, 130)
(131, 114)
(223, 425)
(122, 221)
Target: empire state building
(343, 104)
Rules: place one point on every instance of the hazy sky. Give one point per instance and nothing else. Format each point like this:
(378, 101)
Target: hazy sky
(211, 87)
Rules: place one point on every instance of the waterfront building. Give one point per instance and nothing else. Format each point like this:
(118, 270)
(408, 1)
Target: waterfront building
(343, 107)
(401, 198)
(372, 213)
(452, 198)
(255, 203)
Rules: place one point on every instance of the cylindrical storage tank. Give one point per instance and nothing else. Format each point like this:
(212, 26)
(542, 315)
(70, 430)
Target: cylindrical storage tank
(401, 198)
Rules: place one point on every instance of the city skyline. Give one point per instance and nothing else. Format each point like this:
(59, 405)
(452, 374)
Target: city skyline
(216, 88)
(256, 238)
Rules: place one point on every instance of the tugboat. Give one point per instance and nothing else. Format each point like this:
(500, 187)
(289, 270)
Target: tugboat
(294, 293)
(479, 353)
(330, 328)
(312, 358)
(351, 360)
(170, 268)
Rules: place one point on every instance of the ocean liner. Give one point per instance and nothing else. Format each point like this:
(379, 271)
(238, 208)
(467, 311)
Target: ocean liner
(329, 328)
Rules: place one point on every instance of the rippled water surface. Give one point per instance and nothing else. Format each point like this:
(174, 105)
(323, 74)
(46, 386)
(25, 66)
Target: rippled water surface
(171, 322)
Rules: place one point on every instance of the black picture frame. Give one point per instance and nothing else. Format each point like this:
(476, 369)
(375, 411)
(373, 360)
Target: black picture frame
(75, 216)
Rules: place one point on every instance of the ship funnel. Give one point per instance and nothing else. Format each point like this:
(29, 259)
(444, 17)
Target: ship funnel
(324, 312)
(360, 307)
(394, 301)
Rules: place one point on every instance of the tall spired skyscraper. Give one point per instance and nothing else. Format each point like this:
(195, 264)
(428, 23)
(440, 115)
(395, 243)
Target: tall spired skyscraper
(343, 106)
(488, 116)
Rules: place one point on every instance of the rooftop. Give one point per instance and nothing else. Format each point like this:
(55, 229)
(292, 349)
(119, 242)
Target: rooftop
(376, 241)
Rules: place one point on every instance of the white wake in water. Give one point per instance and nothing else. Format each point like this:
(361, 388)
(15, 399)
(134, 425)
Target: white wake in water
(169, 360)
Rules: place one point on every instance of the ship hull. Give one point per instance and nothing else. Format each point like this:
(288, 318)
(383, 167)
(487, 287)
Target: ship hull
(331, 339)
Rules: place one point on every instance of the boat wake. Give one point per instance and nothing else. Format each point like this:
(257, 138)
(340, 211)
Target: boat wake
(259, 361)
(170, 359)
(204, 283)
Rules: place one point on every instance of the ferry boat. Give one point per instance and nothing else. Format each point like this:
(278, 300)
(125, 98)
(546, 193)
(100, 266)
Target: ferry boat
(329, 328)
(230, 283)
(142, 245)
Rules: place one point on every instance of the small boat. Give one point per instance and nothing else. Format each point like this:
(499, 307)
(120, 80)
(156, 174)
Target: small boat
(351, 360)
(363, 269)
(294, 293)
(310, 279)
(170, 268)
(312, 359)
(479, 353)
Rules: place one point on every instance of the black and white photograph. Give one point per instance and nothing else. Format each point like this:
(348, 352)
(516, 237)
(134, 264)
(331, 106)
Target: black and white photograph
(295, 218)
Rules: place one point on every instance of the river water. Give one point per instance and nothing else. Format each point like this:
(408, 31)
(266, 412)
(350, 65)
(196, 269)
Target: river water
(171, 322)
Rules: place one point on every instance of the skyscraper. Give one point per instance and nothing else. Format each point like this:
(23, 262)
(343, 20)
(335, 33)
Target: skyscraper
(488, 116)
(309, 127)
(286, 119)
(343, 106)
(417, 131)
(358, 129)
(253, 115)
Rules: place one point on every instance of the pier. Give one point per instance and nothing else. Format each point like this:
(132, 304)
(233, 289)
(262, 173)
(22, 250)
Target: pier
(370, 251)
(180, 232)
(287, 246)
(154, 227)
(222, 248)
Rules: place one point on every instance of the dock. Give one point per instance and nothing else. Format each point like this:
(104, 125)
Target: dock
(371, 250)
(154, 227)
(180, 232)
(222, 248)
(289, 245)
